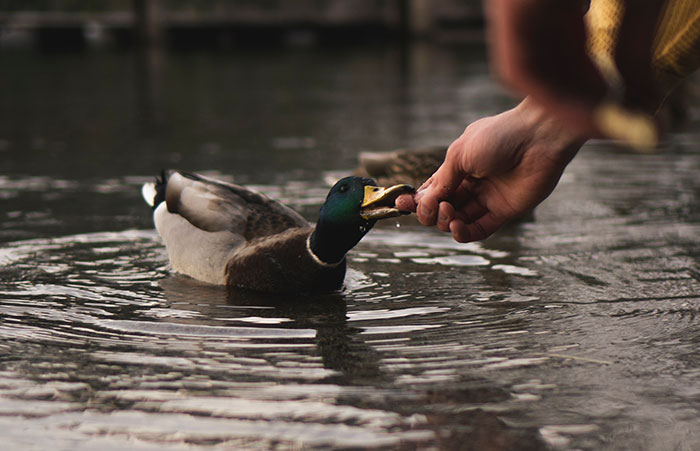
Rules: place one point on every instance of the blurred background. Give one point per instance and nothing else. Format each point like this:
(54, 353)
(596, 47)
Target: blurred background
(263, 91)
(55, 24)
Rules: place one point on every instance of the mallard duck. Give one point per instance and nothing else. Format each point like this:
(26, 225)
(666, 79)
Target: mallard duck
(226, 234)
(412, 166)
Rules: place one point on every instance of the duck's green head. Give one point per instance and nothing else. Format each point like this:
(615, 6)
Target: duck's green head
(352, 207)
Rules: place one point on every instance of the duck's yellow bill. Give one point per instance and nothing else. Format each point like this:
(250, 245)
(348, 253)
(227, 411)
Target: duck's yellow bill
(379, 202)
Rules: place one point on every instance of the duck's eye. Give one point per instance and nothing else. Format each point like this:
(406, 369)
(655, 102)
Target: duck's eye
(343, 188)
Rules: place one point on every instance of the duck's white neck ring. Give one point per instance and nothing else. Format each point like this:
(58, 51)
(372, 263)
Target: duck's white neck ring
(317, 259)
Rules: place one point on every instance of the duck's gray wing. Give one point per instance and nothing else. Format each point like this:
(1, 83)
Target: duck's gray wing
(213, 206)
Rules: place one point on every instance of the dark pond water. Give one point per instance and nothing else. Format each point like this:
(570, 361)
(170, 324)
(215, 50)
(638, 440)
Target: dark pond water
(577, 330)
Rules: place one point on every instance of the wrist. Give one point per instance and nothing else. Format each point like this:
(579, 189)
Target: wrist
(562, 141)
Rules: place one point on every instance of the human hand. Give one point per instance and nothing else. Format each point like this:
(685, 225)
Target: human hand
(499, 169)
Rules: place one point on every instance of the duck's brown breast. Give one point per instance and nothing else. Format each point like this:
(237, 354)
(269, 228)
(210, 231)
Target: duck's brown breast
(283, 264)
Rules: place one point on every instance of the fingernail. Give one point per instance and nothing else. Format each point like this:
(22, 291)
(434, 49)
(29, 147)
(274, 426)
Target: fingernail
(420, 194)
(425, 185)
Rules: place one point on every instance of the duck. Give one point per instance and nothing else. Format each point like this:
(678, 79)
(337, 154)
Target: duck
(226, 234)
(411, 165)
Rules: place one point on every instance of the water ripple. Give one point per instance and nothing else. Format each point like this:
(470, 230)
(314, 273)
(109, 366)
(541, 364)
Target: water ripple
(117, 349)
(203, 330)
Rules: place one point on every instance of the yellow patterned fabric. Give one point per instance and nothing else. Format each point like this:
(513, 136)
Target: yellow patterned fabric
(677, 43)
(603, 22)
(676, 48)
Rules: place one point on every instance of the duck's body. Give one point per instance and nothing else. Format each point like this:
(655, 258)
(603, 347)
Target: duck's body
(225, 234)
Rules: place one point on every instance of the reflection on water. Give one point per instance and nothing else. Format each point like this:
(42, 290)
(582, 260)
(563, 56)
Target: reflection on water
(577, 330)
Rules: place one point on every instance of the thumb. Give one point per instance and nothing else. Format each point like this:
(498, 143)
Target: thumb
(439, 187)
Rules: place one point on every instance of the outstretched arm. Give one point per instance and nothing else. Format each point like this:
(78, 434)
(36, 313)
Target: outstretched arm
(499, 169)
(503, 166)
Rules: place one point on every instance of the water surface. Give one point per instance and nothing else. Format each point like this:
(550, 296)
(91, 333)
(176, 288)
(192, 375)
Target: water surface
(576, 330)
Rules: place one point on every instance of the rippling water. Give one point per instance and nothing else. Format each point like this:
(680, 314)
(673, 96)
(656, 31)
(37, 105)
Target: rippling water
(575, 330)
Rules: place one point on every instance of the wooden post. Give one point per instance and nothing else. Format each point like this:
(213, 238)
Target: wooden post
(147, 62)
(415, 18)
(421, 17)
(147, 28)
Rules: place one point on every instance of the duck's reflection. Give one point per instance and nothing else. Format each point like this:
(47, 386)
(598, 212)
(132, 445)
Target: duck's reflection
(340, 346)
(356, 363)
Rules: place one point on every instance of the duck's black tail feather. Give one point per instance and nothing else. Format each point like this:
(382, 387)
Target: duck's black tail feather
(161, 184)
